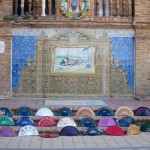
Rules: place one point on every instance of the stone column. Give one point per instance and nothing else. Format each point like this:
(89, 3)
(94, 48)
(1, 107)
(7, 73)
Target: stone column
(29, 4)
(104, 7)
(57, 8)
(16, 7)
(107, 8)
(97, 7)
(111, 8)
(91, 13)
(101, 8)
(36, 7)
(123, 7)
(43, 8)
(49, 7)
(22, 7)
(127, 8)
(130, 8)
(118, 8)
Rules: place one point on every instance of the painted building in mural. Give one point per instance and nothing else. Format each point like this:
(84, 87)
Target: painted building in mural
(74, 48)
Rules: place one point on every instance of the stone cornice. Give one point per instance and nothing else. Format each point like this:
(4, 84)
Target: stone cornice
(101, 22)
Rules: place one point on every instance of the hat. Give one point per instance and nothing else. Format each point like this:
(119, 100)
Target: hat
(24, 111)
(142, 111)
(7, 132)
(124, 111)
(7, 111)
(115, 131)
(44, 112)
(6, 121)
(64, 111)
(28, 130)
(106, 122)
(126, 121)
(67, 121)
(145, 127)
(87, 122)
(85, 112)
(93, 131)
(46, 122)
(104, 111)
(133, 130)
(69, 131)
(23, 121)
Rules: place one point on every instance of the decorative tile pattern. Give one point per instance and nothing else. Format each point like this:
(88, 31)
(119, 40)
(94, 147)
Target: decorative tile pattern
(49, 32)
(23, 47)
(123, 50)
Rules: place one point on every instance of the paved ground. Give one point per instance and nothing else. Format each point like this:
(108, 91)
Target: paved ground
(38, 103)
(141, 142)
(138, 142)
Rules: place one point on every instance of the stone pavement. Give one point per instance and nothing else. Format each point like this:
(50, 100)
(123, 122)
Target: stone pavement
(138, 142)
(38, 103)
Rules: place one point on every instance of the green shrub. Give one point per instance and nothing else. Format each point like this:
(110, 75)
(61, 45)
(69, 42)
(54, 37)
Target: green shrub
(9, 18)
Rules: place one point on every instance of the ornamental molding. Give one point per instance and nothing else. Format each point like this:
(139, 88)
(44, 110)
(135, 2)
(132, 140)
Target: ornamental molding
(50, 32)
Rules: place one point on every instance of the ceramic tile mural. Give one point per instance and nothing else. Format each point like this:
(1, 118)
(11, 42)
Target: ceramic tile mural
(74, 60)
(123, 49)
(23, 47)
(24, 41)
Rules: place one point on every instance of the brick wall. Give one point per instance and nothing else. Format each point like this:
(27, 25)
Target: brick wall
(6, 8)
(142, 38)
(143, 62)
(5, 63)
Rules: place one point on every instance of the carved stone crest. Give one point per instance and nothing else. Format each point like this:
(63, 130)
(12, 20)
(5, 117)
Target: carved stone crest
(74, 9)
